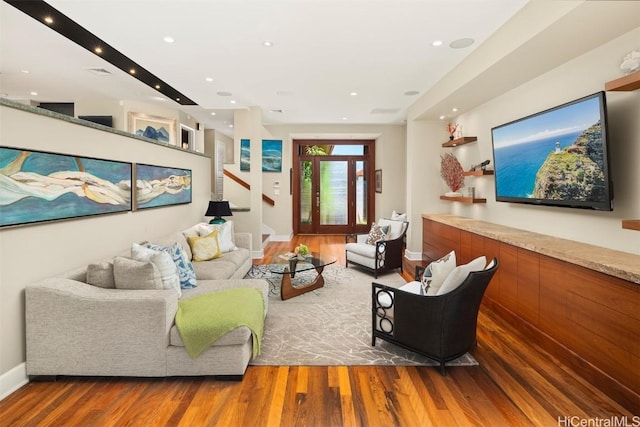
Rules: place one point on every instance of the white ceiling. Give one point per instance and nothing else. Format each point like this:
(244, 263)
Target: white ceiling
(322, 51)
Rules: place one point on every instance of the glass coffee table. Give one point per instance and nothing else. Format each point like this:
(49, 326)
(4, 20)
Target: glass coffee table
(287, 265)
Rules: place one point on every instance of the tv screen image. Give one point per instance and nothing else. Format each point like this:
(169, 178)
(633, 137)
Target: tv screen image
(557, 157)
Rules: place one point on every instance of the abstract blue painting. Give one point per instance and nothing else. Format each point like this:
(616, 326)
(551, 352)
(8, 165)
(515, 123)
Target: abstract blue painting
(37, 186)
(158, 186)
(245, 155)
(271, 155)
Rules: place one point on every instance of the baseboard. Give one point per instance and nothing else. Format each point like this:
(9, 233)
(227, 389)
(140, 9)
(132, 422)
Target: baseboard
(13, 379)
(281, 238)
(412, 256)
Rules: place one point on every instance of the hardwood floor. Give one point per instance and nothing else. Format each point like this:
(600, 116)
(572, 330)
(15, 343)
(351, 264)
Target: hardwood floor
(516, 384)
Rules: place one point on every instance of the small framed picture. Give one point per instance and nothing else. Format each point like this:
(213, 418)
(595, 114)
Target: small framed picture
(157, 128)
(378, 180)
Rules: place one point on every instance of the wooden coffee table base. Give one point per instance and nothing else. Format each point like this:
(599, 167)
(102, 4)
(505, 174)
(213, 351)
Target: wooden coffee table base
(287, 290)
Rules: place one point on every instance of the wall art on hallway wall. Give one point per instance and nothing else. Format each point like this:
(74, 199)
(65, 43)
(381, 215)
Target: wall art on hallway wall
(37, 186)
(158, 186)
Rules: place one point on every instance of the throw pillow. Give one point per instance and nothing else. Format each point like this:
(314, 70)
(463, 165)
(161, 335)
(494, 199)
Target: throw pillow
(437, 272)
(398, 217)
(132, 274)
(225, 235)
(101, 275)
(162, 260)
(375, 234)
(460, 273)
(205, 248)
(186, 273)
(394, 228)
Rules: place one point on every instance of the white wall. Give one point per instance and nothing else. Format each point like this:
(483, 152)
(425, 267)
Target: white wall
(579, 77)
(30, 253)
(390, 155)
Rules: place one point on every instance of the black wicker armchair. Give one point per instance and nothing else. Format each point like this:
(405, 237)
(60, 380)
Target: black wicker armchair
(441, 328)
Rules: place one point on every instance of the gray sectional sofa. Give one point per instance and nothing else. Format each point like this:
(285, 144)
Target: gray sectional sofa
(74, 328)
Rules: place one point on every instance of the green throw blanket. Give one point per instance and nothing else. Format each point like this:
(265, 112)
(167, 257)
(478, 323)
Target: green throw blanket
(203, 319)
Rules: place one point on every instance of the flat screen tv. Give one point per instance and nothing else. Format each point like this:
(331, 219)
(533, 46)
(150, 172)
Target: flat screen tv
(557, 157)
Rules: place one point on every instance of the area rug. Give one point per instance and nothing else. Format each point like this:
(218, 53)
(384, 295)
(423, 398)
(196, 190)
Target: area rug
(331, 325)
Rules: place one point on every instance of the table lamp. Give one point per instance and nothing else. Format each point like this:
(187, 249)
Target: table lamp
(218, 209)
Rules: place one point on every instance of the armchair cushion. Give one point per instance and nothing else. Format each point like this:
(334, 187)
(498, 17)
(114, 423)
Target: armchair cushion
(396, 228)
(363, 249)
(376, 234)
(437, 272)
(457, 276)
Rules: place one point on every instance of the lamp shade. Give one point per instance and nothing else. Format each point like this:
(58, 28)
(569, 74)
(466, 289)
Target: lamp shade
(218, 209)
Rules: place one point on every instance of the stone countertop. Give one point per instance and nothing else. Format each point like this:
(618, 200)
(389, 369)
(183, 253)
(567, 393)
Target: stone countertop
(623, 265)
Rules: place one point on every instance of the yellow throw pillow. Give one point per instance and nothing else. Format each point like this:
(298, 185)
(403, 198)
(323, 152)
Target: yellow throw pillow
(205, 248)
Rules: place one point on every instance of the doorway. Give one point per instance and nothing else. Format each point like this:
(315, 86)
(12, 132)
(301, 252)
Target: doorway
(333, 186)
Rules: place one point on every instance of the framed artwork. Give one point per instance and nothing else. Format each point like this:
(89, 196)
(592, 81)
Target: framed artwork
(245, 155)
(271, 155)
(158, 186)
(159, 129)
(38, 186)
(378, 180)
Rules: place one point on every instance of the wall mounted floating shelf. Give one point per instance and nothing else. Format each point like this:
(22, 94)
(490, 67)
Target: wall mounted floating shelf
(463, 199)
(460, 141)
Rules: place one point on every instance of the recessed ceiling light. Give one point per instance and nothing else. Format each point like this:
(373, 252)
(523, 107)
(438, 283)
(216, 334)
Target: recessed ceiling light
(222, 93)
(230, 126)
(354, 94)
(454, 109)
(34, 93)
(48, 20)
(213, 113)
(157, 86)
(267, 43)
(178, 99)
(344, 118)
(25, 71)
(233, 101)
(209, 79)
(98, 50)
(132, 71)
(169, 39)
(436, 43)
(411, 92)
(442, 117)
(461, 43)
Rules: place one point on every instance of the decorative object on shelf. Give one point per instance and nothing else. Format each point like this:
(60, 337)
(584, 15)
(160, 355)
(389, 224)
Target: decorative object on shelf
(452, 173)
(451, 128)
(301, 250)
(480, 166)
(471, 192)
(631, 62)
(218, 209)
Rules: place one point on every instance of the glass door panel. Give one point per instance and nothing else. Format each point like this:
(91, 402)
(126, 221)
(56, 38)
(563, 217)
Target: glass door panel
(334, 192)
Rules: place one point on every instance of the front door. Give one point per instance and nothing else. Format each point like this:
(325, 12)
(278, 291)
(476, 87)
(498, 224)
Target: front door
(333, 187)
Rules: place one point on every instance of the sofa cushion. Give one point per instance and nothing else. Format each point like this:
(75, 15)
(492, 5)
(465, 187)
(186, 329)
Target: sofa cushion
(236, 336)
(101, 275)
(133, 274)
(205, 248)
(214, 269)
(163, 261)
(185, 269)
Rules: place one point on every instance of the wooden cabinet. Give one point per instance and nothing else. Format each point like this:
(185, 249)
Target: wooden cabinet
(587, 319)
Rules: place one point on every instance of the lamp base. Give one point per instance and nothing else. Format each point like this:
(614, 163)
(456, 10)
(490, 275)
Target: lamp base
(218, 220)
